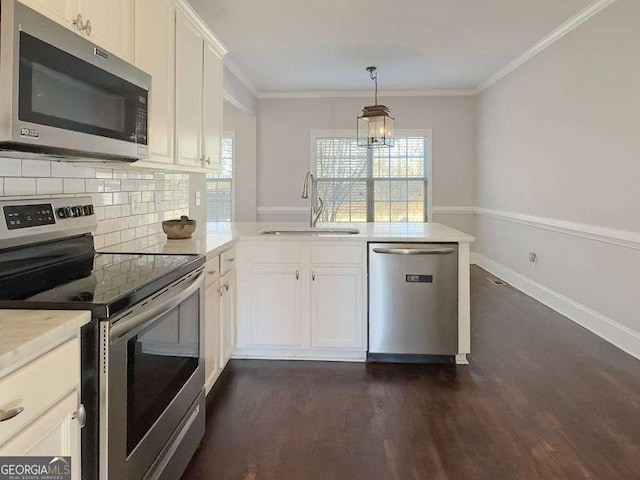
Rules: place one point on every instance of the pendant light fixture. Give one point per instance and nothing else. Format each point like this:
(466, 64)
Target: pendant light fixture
(375, 125)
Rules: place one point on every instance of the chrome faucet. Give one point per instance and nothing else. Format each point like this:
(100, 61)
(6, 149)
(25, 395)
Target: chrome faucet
(316, 202)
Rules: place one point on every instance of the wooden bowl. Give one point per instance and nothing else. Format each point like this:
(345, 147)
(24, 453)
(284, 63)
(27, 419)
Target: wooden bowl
(179, 229)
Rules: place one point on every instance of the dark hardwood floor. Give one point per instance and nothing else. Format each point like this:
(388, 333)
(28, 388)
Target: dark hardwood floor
(542, 399)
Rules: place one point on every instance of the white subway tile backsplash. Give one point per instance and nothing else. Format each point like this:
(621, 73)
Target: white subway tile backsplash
(85, 172)
(120, 198)
(10, 167)
(36, 168)
(63, 169)
(114, 211)
(73, 185)
(129, 204)
(48, 186)
(112, 185)
(111, 239)
(94, 185)
(20, 186)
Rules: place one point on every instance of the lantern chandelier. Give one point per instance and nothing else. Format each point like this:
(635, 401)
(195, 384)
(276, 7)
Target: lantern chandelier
(375, 125)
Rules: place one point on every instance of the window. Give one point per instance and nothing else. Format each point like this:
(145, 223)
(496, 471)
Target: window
(372, 185)
(220, 185)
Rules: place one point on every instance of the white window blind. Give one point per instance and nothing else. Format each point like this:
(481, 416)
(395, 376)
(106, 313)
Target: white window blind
(220, 185)
(375, 185)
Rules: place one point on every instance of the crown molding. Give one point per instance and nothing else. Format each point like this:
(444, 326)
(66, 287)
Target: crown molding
(233, 68)
(575, 21)
(188, 10)
(435, 92)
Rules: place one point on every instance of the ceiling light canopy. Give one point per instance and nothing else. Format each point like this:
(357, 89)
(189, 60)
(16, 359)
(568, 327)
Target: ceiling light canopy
(375, 125)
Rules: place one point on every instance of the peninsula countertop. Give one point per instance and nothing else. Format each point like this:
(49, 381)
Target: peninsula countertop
(221, 236)
(24, 333)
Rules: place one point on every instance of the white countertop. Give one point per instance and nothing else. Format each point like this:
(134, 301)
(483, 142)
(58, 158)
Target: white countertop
(220, 236)
(25, 333)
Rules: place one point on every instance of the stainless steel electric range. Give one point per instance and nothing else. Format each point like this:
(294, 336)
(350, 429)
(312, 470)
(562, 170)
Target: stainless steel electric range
(142, 353)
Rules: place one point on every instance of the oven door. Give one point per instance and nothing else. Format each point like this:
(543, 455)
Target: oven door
(69, 96)
(152, 371)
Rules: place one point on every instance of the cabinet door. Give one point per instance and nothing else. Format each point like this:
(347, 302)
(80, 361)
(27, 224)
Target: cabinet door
(212, 115)
(189, 58)
(61, 11)
(336, 307)
(212, 334)
(155, 54)
(275, 311)
(55, 433)
(111, 24)
(227, 316)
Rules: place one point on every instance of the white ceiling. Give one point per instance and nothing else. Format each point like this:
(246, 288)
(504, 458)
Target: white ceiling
(306, 45)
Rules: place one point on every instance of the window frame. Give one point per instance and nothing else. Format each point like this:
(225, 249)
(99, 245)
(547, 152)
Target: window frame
(232, 135)
(346, 133)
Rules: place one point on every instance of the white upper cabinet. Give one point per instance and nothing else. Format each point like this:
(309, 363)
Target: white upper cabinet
(62, 11)
(109, 23)
(155, 54)
(213, 104)
(189, 108)
(336, 307)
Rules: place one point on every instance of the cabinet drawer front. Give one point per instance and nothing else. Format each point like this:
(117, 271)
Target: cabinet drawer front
(39, 385)
(212, 269)
(227, 260)
(337, 254)
(276, 254)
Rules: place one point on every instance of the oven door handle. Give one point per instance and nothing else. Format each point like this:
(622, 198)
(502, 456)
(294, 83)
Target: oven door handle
(126, 325)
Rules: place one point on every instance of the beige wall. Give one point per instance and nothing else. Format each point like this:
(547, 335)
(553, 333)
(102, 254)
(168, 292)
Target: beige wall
(558, 139)
(284, 143)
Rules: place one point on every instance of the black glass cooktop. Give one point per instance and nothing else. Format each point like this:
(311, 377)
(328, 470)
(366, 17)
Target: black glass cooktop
(70, 275)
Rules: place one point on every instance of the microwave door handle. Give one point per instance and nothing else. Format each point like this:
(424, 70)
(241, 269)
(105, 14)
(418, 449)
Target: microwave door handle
(415, 251)
(127, 325)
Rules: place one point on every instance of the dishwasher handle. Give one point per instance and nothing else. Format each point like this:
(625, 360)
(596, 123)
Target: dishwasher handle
(414, 251)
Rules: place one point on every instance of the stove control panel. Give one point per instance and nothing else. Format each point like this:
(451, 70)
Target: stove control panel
(23, 216)
(75, 211)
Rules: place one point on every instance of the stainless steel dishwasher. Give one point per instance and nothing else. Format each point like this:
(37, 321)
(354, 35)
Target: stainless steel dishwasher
(413, 302)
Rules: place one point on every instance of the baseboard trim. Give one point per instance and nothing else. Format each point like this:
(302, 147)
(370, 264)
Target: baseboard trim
(606, 328)
(289, 353)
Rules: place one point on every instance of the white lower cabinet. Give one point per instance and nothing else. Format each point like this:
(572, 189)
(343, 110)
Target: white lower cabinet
(220, 318)
(336, 307)
(47, 390)
(211, 331)
(276, 313)
(227, 315)
(302, 300)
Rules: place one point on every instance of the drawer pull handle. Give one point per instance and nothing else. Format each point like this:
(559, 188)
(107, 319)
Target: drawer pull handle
(9, 414)
(226, 286)
(231, 259)
(313, 276)
(297, 275)
(81, 416)
(211, 272)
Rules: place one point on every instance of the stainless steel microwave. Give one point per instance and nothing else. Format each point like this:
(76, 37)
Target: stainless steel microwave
(63, 96)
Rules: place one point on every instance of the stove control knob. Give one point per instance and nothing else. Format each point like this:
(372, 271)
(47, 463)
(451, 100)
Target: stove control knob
(64, 212)
(78, 211)
(88, 209)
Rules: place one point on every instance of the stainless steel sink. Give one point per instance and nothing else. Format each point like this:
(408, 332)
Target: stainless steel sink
(320, 231)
